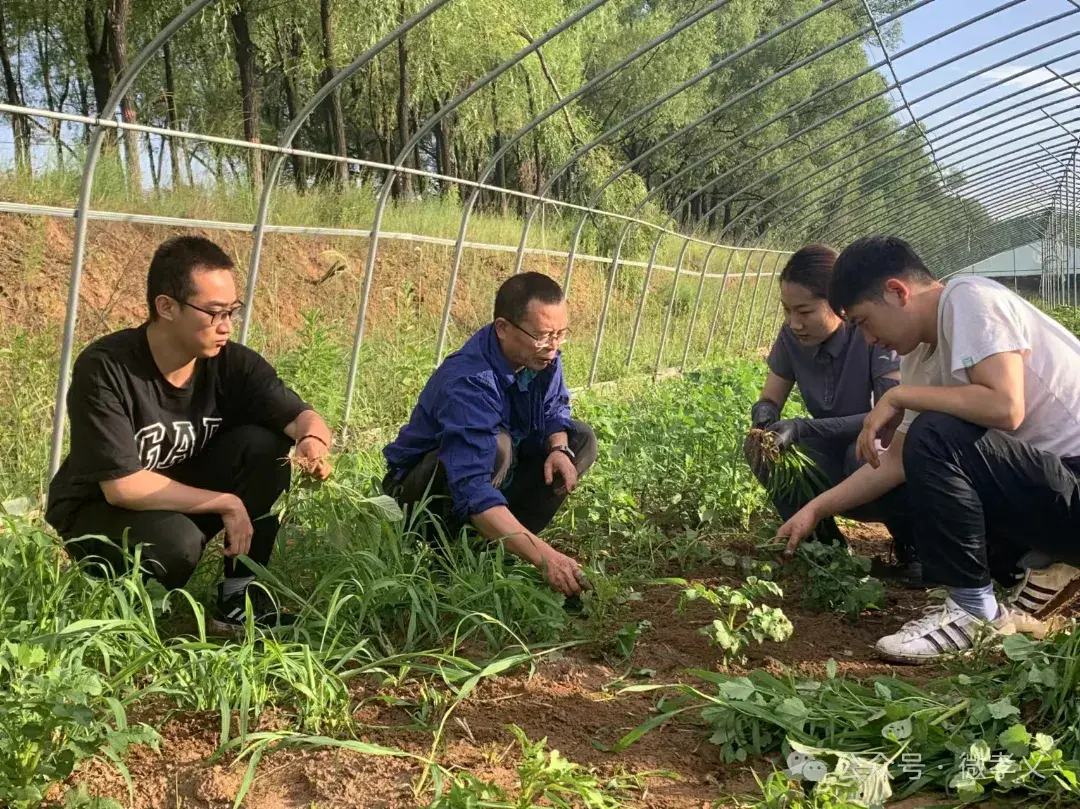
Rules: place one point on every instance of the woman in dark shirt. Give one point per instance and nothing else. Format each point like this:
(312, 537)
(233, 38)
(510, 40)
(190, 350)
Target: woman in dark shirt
(837, 374)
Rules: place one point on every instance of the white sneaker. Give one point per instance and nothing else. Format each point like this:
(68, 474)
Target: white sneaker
(1041, 593)
(944, 630)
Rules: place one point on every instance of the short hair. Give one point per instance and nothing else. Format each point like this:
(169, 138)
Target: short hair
(517, 292)
(173, 264)
(811, 267)
(862, 269)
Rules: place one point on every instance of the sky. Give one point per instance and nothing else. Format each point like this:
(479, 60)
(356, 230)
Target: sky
(1000, 148)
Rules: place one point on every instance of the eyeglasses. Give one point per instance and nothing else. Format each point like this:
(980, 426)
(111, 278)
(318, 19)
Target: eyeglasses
(216, 318)
(544, 340)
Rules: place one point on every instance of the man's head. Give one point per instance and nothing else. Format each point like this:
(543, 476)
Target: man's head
(530, 320)
(878, 284)
(191, 294)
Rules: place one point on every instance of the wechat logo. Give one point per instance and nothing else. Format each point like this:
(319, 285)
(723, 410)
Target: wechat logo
(802, 767)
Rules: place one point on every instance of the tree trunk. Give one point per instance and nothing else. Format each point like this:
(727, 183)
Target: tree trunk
(84, 105)
(99, 59)
(292, 103)
(118, 19)
(172, 120)
(535, 137)
(20, 126)
(154, 178)
(335, 117)
(247, 64)
(403, 185)
(500, 167)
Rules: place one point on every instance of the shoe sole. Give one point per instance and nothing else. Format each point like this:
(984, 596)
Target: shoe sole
(222, 629)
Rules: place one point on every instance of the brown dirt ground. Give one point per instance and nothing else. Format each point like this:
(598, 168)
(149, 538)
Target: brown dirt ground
(570, 700)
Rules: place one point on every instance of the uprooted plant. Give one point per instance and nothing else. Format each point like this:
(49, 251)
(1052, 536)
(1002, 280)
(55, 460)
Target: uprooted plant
(786, 470)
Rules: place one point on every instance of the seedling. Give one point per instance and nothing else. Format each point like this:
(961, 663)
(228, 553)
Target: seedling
(741, 620)
(836, 580)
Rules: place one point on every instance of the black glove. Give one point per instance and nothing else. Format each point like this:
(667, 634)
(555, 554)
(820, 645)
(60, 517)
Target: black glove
(787, 432)
(763, 413)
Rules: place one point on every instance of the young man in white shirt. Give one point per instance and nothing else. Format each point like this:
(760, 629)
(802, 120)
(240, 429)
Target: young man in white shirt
(984, 429)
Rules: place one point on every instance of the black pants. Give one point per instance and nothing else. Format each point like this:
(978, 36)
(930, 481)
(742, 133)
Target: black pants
(246, 461)
(984, 499)
(532, 501)
(837, 461)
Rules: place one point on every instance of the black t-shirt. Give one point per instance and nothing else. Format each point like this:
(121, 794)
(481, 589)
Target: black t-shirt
(125, 416)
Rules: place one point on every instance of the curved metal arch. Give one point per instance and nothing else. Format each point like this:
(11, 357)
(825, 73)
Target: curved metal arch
(1021, 201)
(803, 180)
(977, 180)
(529, 127)
(419, 135)
(659, 189)
(864, 221)
(1002, 199)
(120, 89)
(293, 128)
(713, 68)
(929, 94)
(858, 128)
(966, 170)
(995, 244)
(913, 156)
(726, 104)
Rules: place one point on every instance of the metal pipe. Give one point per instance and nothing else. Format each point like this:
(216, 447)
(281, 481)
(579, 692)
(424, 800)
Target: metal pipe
(937, 91)
(719, 303)
(421, 132)
(988, 182)
(522, 132)
(773, 282)
(120, 89)
(750, 314)
(694, 312)
(713, 68)
(290, 132)
(738, 298)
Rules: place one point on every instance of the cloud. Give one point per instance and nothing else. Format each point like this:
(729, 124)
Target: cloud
(1011, 75)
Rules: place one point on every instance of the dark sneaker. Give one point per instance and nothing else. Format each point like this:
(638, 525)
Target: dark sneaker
(905, 574)
(232, 611)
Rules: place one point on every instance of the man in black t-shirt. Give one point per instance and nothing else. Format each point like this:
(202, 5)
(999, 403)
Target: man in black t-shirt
(177, 433)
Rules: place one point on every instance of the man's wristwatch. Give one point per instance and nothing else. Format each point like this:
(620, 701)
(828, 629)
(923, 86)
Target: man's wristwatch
(565, 450)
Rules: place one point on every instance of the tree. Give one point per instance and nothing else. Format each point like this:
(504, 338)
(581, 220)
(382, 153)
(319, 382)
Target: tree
(335, 116)
(247, 63)
(20, 125)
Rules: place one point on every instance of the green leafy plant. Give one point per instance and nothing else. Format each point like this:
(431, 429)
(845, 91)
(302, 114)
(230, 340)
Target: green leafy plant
(741, 620)
(837, 580)
(545, 778)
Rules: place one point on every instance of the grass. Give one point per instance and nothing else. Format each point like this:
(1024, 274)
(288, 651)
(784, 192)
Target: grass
(90, 667)
(354, 208)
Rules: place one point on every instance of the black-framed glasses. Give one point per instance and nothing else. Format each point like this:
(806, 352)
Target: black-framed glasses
(544, 340)
(216, 318)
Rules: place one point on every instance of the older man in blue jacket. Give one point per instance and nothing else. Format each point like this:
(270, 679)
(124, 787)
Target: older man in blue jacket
(491, 437)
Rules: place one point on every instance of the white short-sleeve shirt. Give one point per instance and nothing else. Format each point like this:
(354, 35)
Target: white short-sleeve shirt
(978, 318)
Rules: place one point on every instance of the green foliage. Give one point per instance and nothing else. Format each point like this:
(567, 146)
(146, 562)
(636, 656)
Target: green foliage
(837, 580)
(545, 778)
(741, 620)
(1002, 729)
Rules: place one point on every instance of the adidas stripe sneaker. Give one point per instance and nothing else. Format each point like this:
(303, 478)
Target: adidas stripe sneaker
(944, 630)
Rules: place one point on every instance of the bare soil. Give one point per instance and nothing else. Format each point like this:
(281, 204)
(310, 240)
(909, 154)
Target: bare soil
(571, 701)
